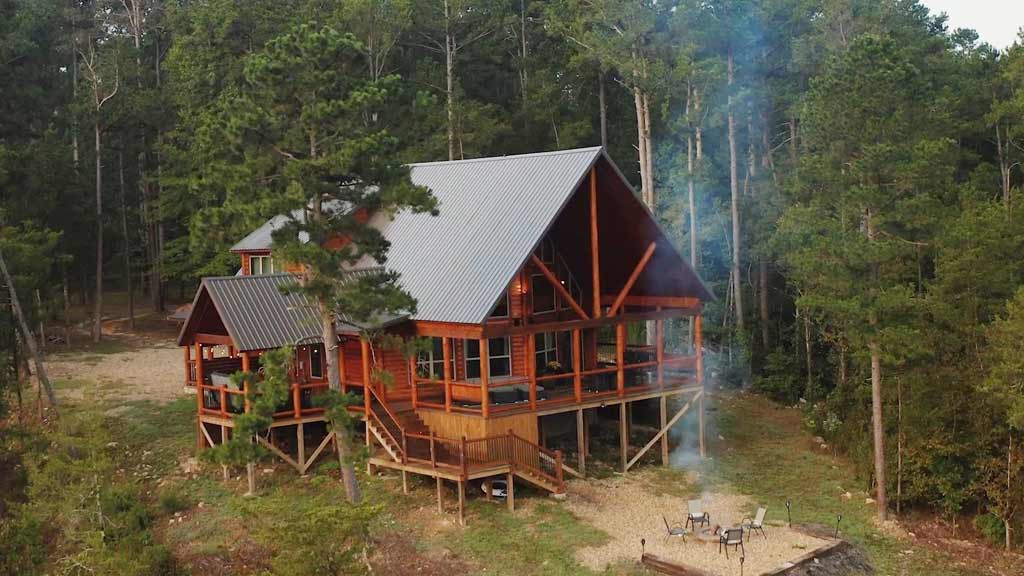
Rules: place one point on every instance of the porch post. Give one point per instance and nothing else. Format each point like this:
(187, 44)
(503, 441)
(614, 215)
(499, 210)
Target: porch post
(664, 437)
(595, 260)
(341, 367)
(364, 346)
(620, 357)
(200, 444)
(698, 342)
(623, 436)
(531, 367)
(581, 441)
(412, 378)
(188, 367)
(446, 347)
(577, 381)
(485, 378)
(659, 343)
(246, 367)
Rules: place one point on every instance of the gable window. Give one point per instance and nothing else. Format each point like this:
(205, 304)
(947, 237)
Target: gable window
(261, 265)
(316, 361)
(499, 351)
(543, 294)
(501, 308)
(430, 363)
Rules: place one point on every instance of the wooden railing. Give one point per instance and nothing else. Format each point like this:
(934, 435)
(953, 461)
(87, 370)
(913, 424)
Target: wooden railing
(465, 456)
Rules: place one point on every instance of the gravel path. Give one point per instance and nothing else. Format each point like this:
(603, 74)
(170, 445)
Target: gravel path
(627, 511)
(154, 372)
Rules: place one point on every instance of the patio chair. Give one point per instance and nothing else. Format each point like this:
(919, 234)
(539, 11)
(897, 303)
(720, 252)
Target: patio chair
(676, 530)
(696, 514)
(731, 537)
(756, 524)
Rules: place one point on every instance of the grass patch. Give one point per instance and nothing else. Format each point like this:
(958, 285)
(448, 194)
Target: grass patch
(766, 454)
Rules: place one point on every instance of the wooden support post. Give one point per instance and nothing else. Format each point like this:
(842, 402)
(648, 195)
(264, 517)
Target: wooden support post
(623, 436)
(699, 343)
(510, 492)
(188, 364)
(446, 346)
(300, 439)
(485, 378)
(231, 351)
(577, 353)
(364, 347)
(462, 503)
(199, 397)
(341, 367)
(663, 432)
(297, 400)
(595, 256)
(209, 353)
(659, 343)
(247, 367)
(664, 437)
(620, 357)
(440, 495)
(412, 379)
(581, 442)
(405, 482)
(632, 278)
(531, 367)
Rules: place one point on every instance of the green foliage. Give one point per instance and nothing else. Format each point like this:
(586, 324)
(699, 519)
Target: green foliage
(264, 397)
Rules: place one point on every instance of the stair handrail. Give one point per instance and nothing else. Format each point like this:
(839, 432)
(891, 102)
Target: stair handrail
(556, 455)
(394, 420)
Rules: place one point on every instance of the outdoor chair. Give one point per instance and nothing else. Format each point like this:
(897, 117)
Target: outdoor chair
(676, 530)
(756, 524)
(731, 537)
(696, 514)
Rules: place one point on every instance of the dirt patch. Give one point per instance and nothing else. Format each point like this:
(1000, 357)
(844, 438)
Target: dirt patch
(155, 373)
(396, 554)
(626, 509)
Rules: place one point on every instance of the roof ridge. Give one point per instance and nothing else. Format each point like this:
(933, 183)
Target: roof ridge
(510, 156)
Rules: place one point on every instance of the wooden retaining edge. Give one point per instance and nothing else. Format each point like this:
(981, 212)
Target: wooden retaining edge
(822, 552)
(670, 568)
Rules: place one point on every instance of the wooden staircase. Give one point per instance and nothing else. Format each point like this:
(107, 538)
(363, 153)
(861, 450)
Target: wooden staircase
(409, 442)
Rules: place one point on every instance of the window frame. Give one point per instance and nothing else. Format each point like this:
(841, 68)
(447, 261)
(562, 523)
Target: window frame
(263, 259)
(505, 358)
(434, 359)
(319, 349)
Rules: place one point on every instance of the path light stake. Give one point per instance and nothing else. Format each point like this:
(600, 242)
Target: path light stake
(643, 547)
(743, 558)
(839, 518)
(789, 515)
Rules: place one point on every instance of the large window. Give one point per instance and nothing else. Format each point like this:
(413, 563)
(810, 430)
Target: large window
(430, 363)
(543, 294)
(547, 353)
(316, 361)
(499, 352)
(261, 265)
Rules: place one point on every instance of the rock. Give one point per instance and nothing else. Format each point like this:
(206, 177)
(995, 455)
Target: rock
(824, 446)
(818, 440)
(869, 500)
(111, 444)
(268, 470)
(200, 505)
(911, 534)
(847, 495)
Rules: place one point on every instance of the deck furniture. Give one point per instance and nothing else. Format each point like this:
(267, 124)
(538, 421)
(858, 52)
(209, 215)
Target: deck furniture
(674, 530)
(756, 524)
(696, 514)
(731, 537)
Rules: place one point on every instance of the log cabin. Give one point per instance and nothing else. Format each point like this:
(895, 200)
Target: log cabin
(546, 290)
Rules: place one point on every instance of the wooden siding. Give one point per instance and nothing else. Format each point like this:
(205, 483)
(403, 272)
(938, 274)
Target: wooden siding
(471, 426)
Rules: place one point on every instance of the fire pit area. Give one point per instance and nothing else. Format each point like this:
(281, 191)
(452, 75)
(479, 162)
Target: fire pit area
(599, 503)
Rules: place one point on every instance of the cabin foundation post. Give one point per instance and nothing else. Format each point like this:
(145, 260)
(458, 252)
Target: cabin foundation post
(188, 364)
(581, 441)
(199, 397)
(623, 435)
(462, 503)
(405, 482)
(485, 377)
(446, 348)
(440, 495)
(510, 490)
(664, 437)
(300, 441)
(698, 344)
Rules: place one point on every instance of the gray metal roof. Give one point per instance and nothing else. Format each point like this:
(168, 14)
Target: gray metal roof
(493, 212)
(259, 316)
(262, 237)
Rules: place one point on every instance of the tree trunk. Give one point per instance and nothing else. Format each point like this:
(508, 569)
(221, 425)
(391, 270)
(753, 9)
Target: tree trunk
(66, 289)
(899, 446)
(878, 429)
(27, 337)
(735, 196)
(449, 62)
(97, 322)
(124, 238)
(690, 193)
(603, 109)
(809, 359)
(522, 49)
(1008, 521)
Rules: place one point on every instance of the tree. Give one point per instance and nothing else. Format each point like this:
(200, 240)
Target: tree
(306, 114)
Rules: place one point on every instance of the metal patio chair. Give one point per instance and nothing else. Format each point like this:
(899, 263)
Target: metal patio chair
(731, 537)
(696, 515)
(674, 530)
(756, 524)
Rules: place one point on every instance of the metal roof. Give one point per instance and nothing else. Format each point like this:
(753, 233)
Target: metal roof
(493, 212)
(258, 315)
(263, 237)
